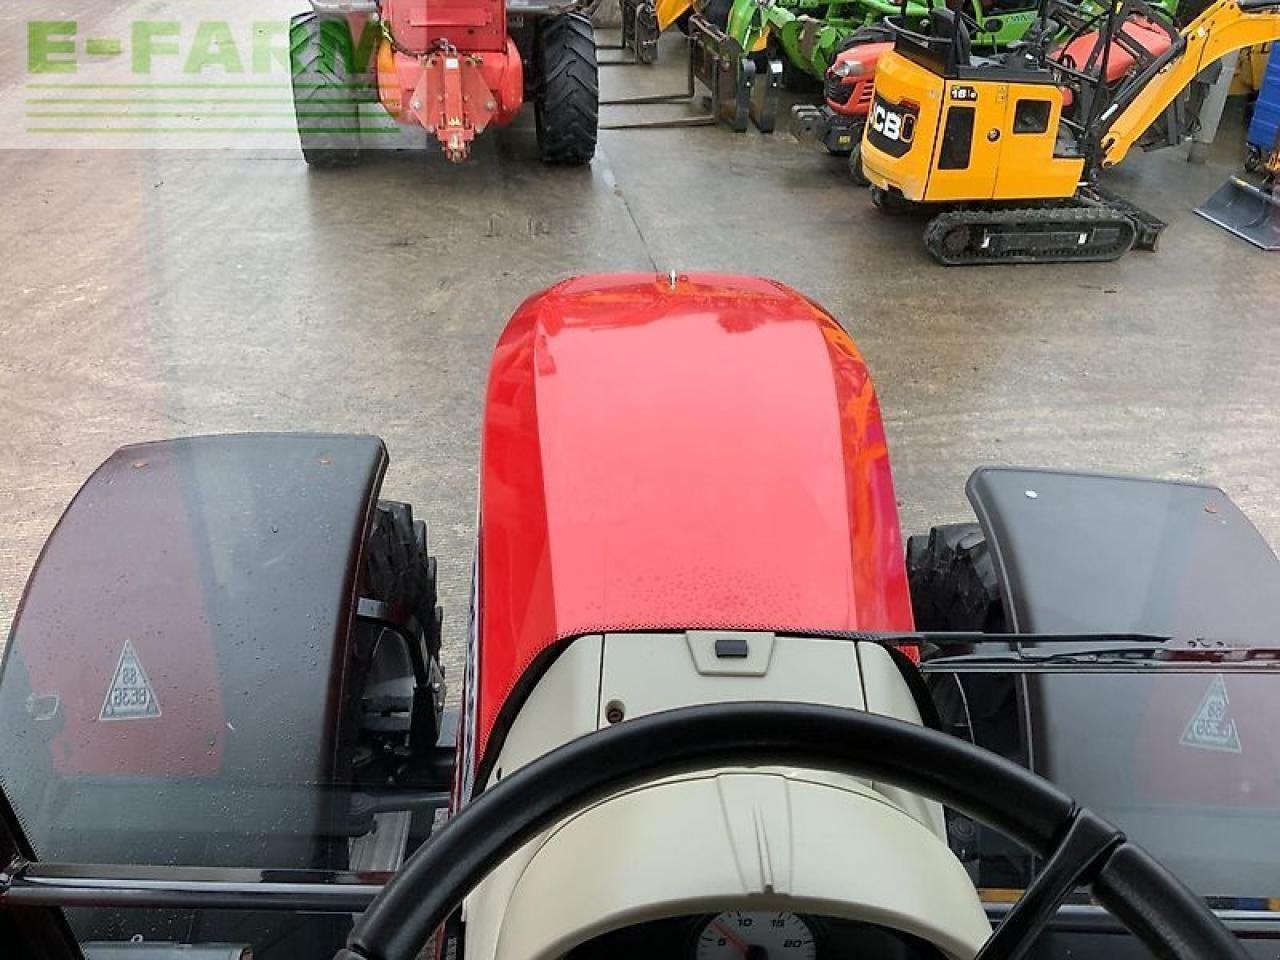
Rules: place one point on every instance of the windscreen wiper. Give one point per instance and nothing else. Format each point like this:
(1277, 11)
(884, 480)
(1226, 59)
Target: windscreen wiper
(1103, 653)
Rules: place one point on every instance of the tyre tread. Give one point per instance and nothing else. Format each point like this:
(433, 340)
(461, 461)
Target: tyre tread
(567, 97)
(953, 581)
(325, 90)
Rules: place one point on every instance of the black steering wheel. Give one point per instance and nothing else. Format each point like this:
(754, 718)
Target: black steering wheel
(1079, 847)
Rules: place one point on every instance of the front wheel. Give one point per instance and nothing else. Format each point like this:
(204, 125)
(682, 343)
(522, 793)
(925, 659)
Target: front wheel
(856, 173)
(1253, 160)
(567, 99)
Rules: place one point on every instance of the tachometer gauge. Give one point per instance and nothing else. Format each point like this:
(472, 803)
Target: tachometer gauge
(742, 935)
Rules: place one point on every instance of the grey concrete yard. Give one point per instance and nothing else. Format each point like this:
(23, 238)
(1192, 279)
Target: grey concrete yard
(152, 294)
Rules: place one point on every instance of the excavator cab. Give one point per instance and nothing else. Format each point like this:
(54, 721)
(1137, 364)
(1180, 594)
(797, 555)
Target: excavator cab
(1013, 144)
(1007, 127)
(948, 126)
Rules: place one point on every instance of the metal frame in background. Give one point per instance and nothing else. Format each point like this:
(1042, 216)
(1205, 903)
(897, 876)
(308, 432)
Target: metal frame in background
(739, 91)
(685, 96)
(639, 31)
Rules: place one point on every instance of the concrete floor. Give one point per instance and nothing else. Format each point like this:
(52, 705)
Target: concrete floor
(150, 294)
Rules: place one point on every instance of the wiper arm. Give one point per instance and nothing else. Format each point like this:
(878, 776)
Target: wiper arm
(1100, 641)
(1110, 653)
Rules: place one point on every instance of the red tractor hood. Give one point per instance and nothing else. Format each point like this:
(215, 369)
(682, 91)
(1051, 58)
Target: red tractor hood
(706, 453)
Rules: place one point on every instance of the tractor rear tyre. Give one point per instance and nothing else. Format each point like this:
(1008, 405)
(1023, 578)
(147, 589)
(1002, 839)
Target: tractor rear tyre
(400, 571)
(326, 90)
(716, 13)
(567, 97)
(953, 581)
(954, 589)
(377, 748)
(1187, 10)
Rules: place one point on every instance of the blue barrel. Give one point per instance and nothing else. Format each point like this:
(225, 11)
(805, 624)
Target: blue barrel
(1266, 112)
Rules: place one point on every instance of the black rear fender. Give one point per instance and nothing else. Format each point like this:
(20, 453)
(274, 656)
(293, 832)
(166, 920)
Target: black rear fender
(177, 670)
(1085, 553)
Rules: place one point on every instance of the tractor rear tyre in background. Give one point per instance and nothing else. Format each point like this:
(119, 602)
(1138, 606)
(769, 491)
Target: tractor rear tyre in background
(567, 97)
(1188, 10)
(326, 90)
(716, 12)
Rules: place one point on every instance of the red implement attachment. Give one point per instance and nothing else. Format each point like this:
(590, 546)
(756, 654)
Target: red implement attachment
(453, 95)
(450, 67)
(452, 101)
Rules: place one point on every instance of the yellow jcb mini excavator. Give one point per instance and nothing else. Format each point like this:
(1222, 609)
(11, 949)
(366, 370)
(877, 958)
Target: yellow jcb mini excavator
(1009, 148)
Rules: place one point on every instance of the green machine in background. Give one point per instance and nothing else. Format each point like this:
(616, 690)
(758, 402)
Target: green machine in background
(744, 51)
(807, 34)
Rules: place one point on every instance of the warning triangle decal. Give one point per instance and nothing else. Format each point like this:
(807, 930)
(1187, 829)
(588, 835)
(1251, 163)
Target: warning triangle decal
(130, 696)
(1211, 726)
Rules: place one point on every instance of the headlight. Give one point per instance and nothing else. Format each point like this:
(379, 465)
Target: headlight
(847, 68)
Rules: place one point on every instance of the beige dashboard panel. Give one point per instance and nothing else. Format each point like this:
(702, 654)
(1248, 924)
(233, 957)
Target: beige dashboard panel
(769, 837)
(647, 673)
(739, 840)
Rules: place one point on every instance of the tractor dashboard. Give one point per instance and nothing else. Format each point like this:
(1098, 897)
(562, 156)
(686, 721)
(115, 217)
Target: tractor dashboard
(754, 933)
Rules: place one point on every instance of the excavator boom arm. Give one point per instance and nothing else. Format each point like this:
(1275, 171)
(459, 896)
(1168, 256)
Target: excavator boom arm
(1223, 27)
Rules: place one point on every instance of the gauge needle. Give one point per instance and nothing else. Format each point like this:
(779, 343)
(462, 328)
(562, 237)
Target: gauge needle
(732, 938)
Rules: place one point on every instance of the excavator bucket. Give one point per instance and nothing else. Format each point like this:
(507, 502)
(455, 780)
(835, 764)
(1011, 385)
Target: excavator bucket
(1250, 211)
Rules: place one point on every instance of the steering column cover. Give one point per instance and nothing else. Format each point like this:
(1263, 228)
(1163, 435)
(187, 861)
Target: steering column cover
(748, 840)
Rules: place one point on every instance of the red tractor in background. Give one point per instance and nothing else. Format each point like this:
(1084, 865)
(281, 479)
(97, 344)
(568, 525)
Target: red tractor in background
(848, 91)
(453, 67)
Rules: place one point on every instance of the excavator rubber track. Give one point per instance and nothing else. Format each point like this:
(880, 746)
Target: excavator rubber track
(1148, 225)
(1061, 234)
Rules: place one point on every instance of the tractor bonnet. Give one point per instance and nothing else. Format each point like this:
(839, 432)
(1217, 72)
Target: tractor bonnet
(669, 453)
